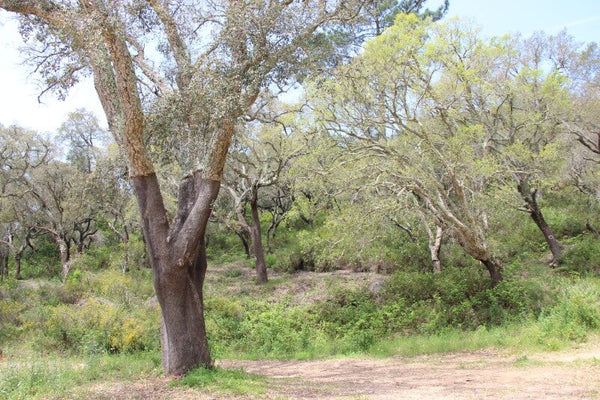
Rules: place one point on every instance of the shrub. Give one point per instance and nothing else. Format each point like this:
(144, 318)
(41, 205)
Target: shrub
(98, 326)
(573, 317)
(583, 257)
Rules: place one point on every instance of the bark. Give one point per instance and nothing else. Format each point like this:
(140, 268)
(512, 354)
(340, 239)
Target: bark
(434, 249)
(474, 245)
(125, 266)
(3, 263)
(18, 267)
(178, 260)
(529, 196)
(256, 235)
(65, 257)
(244, 242)
(494, 267)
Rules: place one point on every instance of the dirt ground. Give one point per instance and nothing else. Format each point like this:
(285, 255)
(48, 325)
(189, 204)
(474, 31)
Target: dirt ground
(486, 374)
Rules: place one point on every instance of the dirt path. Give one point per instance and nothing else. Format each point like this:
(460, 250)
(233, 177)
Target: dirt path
(572, 374)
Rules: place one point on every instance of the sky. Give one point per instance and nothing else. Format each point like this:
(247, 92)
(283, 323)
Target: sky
(19, 88)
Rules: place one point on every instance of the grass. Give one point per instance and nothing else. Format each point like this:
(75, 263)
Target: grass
(52, 376)
(225, 381)
(294, 316)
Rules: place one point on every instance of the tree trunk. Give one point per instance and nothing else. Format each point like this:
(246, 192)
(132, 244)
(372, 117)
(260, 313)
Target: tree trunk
(125, 265)
(179, 265)
(145, 261)
(65, 258)
(259, 254)
(183, 333)
(494, 267)
(434, 249)
(3, 263)
(244, 242)
(18, 267)
(529, 196)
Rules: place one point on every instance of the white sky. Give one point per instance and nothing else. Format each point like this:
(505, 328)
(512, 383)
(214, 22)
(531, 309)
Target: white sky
(19, 89)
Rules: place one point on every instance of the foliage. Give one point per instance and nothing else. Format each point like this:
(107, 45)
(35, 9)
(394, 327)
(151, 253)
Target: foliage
(583, 256)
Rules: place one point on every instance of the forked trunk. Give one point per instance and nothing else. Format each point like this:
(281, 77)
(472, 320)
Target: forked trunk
(259, 253)
(179, 265)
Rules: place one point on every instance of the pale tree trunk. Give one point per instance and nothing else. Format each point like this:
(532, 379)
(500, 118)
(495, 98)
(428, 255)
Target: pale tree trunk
(256, 235)
(474, 245)
(435, 246)
(434, 242)
(534, 211)
(65, 257)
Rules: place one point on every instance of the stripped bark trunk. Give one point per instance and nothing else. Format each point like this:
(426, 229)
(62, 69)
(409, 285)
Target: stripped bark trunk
(534, 211)
(178, 261)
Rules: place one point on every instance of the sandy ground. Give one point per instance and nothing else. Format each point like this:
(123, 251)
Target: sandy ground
(486, 374)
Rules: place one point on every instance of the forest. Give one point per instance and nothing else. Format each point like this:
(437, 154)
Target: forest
(292, 180)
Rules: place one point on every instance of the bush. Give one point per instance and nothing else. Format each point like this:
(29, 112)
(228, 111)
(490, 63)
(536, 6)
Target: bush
(577, 313)
(98, 326)
(583, 257)
(288, 259)
(458, 297)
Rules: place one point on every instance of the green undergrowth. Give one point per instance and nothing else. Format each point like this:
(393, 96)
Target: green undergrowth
(61, 377)
(224, 381)
(103, 324)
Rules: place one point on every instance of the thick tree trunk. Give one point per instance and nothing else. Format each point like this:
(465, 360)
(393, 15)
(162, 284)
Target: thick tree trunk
(536, 215)
(183, 332)
(259, 253)
(179, 265)
(145, 261)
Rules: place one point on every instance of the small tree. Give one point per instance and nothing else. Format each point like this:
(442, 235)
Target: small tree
(257, 161)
